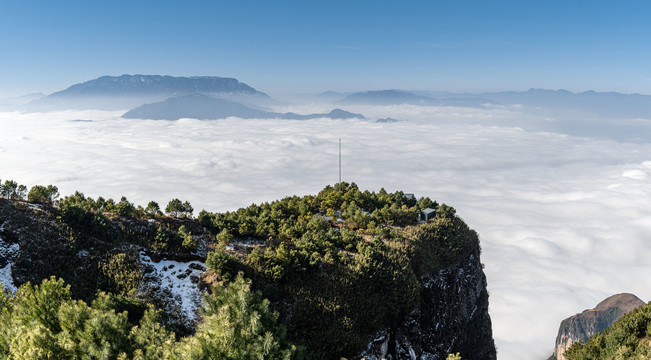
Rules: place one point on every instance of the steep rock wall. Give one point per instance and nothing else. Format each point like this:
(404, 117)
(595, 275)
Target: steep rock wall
(452, 316)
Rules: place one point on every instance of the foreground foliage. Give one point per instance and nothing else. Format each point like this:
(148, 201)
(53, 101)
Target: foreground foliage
(44, 322)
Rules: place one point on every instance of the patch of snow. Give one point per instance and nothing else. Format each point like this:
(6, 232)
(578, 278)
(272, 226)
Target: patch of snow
(385, 347)
(176, 277)
(245, 244)
(7, 253)
(5, 278)
(412, 353)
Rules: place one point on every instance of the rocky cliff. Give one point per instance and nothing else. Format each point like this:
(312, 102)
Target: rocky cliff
(580, 327)
(452, 316)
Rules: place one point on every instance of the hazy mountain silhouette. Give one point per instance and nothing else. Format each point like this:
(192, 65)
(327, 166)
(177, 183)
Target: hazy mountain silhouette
(200, 106)
(15, 102)
(605, 104)
(128, 91)
(398, 97)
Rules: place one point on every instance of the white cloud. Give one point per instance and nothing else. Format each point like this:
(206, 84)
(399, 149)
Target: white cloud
(636, 174)
(563, 220)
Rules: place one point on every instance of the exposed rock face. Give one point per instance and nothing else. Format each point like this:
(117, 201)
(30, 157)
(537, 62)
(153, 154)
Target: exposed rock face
(452, 317)
(581, 327)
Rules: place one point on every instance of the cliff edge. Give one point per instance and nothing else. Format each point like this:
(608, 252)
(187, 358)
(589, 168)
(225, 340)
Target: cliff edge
(451, 316)
(581, 327)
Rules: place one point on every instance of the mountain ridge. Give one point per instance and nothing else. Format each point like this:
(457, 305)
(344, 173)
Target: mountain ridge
(128, 91)
(204, 107)
(153, 84)
(400, 97)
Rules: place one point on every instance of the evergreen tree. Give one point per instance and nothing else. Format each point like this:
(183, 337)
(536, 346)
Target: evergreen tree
(238, 325)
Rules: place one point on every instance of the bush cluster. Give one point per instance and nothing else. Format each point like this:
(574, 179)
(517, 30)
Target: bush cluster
(44, 322)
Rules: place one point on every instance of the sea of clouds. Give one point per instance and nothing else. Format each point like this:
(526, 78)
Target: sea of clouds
(564, 220)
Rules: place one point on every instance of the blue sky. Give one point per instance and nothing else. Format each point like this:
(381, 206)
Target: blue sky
(284, 47)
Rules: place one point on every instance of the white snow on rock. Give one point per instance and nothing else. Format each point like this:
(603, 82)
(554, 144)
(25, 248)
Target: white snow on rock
(7, 252)
(6, 279)
(176, 277)
(249, 243)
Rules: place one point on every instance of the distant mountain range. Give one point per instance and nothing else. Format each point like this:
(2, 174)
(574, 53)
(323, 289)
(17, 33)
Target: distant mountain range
(14, 102)
(398, 97)
(551, 102)
(605, 104)
(200, 106)
(128, 91)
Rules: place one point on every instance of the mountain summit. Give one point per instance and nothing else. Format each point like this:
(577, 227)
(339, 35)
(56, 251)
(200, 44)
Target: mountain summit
(128, 91)
(143, 85)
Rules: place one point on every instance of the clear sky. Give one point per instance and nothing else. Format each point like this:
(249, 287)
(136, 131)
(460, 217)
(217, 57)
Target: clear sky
(310, 46)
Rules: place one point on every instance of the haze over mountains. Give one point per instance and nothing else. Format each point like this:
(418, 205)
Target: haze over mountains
(204, 107)
(170, 98)
(603, 104)
(128, 91)
(587, 103)
(210, 97)
(398, 97)
(622, 117)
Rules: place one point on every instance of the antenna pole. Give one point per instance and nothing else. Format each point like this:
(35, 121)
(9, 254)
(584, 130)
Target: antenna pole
(339, 163)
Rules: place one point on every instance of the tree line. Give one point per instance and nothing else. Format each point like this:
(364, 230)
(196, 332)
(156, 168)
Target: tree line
(49, 195)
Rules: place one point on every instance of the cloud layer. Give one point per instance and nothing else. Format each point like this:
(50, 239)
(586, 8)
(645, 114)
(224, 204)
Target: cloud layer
(564, 221)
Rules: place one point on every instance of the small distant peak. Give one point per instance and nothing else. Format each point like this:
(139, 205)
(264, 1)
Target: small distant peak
(343, 114)
(387, 120)
(330, 93)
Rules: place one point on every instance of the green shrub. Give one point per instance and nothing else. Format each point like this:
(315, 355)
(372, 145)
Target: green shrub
(189, 241)
(223, 263)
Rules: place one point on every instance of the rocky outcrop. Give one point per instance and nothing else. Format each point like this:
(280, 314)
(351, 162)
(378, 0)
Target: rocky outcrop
(452, 317)
(580, 327)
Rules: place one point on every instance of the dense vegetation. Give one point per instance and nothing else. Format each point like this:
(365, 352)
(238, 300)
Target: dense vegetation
(335, 268)
(44, 322)
(628, 338)
(344, 263)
